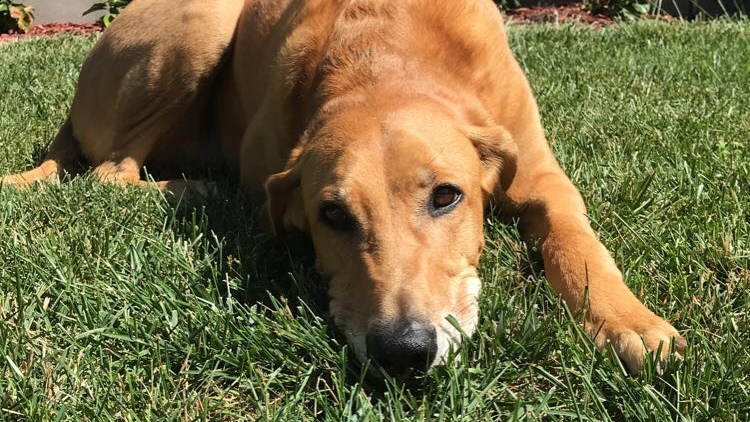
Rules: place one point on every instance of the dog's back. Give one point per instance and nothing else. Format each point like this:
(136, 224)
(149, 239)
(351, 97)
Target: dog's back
(147, 92)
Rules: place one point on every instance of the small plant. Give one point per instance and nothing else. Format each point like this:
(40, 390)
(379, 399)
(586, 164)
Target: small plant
(111, 7)
(15, 17)
(508, 4)
(618, 8)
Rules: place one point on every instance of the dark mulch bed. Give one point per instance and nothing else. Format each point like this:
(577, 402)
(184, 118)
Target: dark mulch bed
(557, 14)
(565, 11)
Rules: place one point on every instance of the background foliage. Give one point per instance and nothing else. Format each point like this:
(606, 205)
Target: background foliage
(111, 9)
(615, 8)
(15, 17)
(620, 8)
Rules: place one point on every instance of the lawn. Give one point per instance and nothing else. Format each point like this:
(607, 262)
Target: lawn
(116, 305)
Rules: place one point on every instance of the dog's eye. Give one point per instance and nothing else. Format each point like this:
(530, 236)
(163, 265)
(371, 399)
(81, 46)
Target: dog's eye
(444, 199)
(335, 217)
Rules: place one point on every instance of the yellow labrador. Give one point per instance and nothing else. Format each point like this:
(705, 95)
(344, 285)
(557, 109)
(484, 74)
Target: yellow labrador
(382, 128)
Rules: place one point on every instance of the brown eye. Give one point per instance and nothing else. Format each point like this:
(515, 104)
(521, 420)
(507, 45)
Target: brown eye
(334, 214)
(444, 199)
(336, 217)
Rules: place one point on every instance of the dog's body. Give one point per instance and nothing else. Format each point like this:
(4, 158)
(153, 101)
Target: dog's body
(380, 127)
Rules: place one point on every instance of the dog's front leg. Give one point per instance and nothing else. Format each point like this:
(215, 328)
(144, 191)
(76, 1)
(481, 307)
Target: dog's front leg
(581, 270)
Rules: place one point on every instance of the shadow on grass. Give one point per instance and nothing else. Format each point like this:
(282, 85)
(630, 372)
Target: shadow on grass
(282, 270)
(273, 270)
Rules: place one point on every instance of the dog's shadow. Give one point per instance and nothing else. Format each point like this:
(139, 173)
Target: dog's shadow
(265, 267)
(273, 270)
(276, 270)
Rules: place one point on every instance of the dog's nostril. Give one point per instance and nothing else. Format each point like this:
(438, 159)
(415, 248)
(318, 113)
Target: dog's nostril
(402, 345)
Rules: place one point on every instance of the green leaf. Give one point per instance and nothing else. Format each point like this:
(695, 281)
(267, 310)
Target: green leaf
(108, 18)
(94, 8)
(23, 16)
(641, 8)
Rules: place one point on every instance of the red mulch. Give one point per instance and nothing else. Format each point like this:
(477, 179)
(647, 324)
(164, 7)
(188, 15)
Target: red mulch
(565, 11)
(52, 29)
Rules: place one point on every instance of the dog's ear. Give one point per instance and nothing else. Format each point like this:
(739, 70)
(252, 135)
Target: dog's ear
(285, 208)
(498, 154)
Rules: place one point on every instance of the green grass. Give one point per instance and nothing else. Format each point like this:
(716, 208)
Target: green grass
(115, 305)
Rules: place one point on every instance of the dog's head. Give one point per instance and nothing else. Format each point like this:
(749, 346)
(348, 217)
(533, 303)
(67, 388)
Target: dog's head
(394, 202)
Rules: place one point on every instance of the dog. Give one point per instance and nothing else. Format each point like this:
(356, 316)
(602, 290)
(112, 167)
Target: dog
(382, 128)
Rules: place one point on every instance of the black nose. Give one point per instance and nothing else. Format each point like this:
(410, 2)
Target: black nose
(401, 345)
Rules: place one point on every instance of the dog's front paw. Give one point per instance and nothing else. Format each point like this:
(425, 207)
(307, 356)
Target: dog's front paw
(13, 180)
(635, 334)
(23, 180)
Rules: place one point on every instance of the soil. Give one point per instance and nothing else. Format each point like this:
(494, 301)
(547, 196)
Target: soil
(564, 13)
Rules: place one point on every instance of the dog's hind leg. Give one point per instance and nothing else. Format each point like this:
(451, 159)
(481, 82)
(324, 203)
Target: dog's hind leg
(63, 157)
(127, 172)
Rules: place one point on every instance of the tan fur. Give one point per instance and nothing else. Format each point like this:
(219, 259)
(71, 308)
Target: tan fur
(368, 103)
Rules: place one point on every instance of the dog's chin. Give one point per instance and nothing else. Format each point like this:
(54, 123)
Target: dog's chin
(452, 326)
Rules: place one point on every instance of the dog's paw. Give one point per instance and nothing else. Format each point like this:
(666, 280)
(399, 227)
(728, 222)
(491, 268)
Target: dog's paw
(634, 335)
(13, 180)
(22, 181)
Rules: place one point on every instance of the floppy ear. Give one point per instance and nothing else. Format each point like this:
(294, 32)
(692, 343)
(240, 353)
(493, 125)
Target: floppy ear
(285, 208)
(498, 154)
